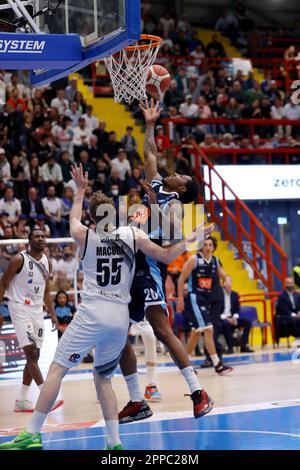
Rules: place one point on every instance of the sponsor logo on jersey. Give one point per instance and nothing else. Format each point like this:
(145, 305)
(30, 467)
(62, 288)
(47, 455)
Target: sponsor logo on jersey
(30, 281)
(74, 358)
(30, 274)
(36, 290)
(17, 46)
(27, 302)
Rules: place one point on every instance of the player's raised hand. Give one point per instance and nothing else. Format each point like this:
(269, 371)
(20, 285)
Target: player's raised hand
(200, 234)
(150, 193)
(80, 178)
(151, 111)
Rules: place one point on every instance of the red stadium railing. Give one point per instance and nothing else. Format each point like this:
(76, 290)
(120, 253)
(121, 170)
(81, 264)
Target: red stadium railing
(250, 125)
(237, 214)
(283, 154)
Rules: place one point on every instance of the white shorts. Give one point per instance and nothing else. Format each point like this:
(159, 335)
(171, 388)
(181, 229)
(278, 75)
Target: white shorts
(28, 324)
(100, 324)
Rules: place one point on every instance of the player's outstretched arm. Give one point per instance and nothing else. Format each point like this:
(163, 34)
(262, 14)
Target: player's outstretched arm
(13, 268)
(188, 267)
(169, 254)
(77, 229)
(151, 114)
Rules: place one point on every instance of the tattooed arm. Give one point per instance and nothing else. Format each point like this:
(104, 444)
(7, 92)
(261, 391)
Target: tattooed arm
(151, 114)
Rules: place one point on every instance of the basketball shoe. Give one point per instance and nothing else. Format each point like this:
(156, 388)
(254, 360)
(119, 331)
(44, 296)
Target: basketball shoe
(152, 393)
(221, 369)
(203, 404)
(24, 441)
(25, 406)
(135, 411)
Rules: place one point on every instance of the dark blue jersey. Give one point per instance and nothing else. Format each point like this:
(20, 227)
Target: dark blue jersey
(150, 224)
(204, 277)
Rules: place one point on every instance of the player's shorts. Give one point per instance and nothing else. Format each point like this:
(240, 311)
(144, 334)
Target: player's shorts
(28, 324)
(100, 324)
(197, 312)
(148, 288)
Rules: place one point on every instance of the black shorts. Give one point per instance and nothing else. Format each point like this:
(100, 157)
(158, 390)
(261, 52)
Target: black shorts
(197, 312)
(148, 288)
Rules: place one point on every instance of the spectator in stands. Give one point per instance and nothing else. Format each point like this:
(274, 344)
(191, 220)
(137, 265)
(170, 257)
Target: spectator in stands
(51, 173)
(37, 99)
(18, 176)
(60, 282)
(93, 149)
(81, 138)
(288, 307)
(22, 227)
(198, 54)
(296, 273)
(230, 319)
(290, 53)
(209, 142)
(68, 263)
(10, 205)
(67, 203)
(80, 102)
(130, 145)
(73, 114)
(277, 112)
(60, 102)
(227, 142)
(167, 21)
(4, 168)
(87, 165)
(64, 311)
(102, 135)
(291, 111)
(121, 164)
(253, 94)
(112, 146)
(16, 102)
(173, 96)
(101, 173)
(8, 250)
(52, 210)
(216, 45)
(71, 90)
(188, 109)
(182, 81)
(92, 122)
(32, 206)
(237, 92)
(40, 223)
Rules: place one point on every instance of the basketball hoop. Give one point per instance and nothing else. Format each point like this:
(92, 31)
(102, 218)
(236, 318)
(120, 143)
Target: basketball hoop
(129, 69)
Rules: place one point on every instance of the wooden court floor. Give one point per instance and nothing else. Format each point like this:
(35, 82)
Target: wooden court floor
(269, 376)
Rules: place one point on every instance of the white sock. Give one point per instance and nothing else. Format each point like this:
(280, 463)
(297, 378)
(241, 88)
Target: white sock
(151, 374)
(36, 422)
(24, 392)
(191, 379)
(133, 386)
(215, 359)
(112, 430)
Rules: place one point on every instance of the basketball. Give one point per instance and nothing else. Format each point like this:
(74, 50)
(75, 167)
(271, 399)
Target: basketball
(158, 80)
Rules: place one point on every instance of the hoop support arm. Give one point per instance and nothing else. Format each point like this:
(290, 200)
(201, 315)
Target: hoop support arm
(20, 51)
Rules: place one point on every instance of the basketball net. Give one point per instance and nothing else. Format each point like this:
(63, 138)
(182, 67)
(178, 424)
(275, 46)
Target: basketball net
(130, 67)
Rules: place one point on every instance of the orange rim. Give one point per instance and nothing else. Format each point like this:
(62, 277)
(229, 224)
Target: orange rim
(156, 40)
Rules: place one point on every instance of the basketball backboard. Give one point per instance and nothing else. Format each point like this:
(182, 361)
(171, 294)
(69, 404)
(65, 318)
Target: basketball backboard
(103, 26)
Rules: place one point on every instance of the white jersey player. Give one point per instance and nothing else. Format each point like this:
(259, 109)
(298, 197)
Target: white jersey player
(102, 319)
(26, 283)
